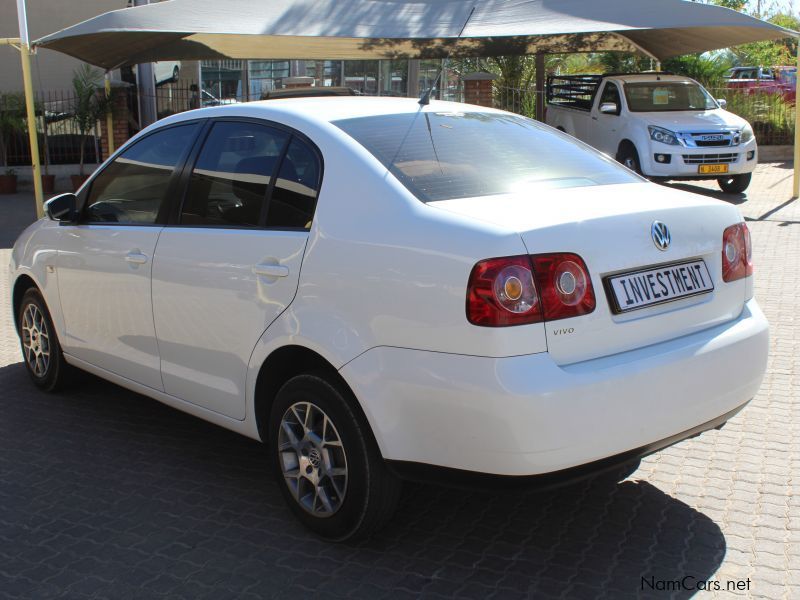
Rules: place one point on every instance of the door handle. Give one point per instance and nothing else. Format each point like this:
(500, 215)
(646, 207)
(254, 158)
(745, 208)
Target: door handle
(136, 258)
(271, 270)
(594, 118)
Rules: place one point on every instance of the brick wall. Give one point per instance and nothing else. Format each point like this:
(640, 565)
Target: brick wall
(479, 89)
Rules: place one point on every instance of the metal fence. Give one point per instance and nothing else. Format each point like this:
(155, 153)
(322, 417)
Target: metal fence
(60, 137)
(770, 114)
(519, 100)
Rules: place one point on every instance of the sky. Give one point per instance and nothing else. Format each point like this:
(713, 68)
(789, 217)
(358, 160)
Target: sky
(769, 7)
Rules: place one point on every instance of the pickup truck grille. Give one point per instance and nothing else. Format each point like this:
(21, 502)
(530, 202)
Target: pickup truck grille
(702, 144)
(708, 139)
(704, 159)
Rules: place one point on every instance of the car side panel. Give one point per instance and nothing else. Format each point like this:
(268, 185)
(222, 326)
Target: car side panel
(35, 254)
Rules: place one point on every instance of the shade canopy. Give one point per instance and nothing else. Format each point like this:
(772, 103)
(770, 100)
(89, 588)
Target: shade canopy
(370, 29)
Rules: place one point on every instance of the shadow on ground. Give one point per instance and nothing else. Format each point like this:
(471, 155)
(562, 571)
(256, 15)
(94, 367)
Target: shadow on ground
(704, 191)
(107, 492)
(17, 211)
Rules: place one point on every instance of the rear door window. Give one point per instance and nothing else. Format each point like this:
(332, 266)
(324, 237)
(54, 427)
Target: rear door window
(295, 195)
(230, 180)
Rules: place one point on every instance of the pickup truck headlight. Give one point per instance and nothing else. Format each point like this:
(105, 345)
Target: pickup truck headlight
(665, 136)
(747, 134)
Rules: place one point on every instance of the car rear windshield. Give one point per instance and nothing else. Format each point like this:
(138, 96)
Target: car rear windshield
(659, 96)
(441, 155)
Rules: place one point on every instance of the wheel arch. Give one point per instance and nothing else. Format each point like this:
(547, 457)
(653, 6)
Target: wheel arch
(289, 361)
(624, 144)
(22, 284)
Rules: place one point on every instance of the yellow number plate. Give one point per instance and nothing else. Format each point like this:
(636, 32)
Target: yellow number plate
(712, 169)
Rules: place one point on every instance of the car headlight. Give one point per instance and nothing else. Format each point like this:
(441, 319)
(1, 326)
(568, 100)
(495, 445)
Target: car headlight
(665, 136)
(747, 134)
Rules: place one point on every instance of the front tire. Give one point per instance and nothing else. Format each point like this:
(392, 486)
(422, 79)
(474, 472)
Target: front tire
(629, 157)
(735, 184)
(326, 461)
(41, 351)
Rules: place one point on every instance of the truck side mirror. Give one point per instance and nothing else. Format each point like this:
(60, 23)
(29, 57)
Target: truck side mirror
(62, 208)
(609, 108)
(723, 104)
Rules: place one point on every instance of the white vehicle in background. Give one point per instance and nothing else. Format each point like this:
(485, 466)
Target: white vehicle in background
(659, 125)
(166, 71)
(380, 290)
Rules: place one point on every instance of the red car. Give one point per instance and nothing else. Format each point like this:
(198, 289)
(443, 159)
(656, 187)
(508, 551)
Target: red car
(771, 80)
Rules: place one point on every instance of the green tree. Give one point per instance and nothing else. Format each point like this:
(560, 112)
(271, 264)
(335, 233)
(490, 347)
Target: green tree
(770, 53)
(12, 120)
(88, 104)
(708, 69)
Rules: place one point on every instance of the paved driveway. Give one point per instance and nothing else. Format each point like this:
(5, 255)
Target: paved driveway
(104, 493)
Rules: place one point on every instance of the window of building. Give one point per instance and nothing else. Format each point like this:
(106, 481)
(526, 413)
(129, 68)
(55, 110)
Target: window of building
(265, 75)
(325, 72)
(132, 189)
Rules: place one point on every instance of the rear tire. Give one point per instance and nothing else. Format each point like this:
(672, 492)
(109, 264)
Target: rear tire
(326, 461)
(629, 157)
(41, 351)
(735, 184)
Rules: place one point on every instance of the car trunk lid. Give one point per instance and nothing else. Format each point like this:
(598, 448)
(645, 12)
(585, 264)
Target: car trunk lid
(610, 227)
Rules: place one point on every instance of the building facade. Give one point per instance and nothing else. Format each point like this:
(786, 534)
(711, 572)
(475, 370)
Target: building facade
(51, 70)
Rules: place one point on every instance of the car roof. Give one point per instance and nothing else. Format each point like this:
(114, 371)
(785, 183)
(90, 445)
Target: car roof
(311, 92)
(641, 77)
(325, 108)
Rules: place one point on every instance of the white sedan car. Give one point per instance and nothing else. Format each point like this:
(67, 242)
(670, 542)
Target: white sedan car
(380, 290)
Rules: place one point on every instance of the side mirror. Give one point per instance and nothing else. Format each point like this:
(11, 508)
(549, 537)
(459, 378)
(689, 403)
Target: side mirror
(723, 104)
(62, 208)
(609, 108)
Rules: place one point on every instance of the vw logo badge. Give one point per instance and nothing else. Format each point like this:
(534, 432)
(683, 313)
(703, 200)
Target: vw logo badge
(661, 236)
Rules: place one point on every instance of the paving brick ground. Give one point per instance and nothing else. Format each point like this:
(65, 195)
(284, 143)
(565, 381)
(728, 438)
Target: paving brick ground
(107, 494)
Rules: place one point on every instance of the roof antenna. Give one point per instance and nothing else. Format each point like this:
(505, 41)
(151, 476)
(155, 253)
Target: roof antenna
(425, 99)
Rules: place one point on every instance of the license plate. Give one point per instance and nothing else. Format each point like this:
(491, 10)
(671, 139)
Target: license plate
(712, 169)
(656, 285)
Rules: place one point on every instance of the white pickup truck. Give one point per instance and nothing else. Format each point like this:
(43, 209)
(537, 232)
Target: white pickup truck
(659, 125)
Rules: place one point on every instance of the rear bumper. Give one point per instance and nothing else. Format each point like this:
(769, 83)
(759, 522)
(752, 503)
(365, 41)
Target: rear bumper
(432, 474)
(526, 415)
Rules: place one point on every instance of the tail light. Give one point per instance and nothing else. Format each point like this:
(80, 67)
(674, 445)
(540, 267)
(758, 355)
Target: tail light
(565, 285)
(502, 292)
(518, 290)
(737, 253)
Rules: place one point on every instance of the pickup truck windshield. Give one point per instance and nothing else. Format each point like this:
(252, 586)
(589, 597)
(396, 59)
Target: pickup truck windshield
(659, 96)
(447, 155)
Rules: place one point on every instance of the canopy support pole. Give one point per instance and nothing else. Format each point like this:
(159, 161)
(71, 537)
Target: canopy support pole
(540, 66)
(23, 45)
(109, 117)
(796, 182)
(33, 136)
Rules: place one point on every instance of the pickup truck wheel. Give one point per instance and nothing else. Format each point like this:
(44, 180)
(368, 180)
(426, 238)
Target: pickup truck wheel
(735, 184)
(628, 156)
(327, 463)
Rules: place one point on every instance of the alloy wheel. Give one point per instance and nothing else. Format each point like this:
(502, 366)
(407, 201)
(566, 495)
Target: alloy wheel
(35, 340)
(312, 459)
